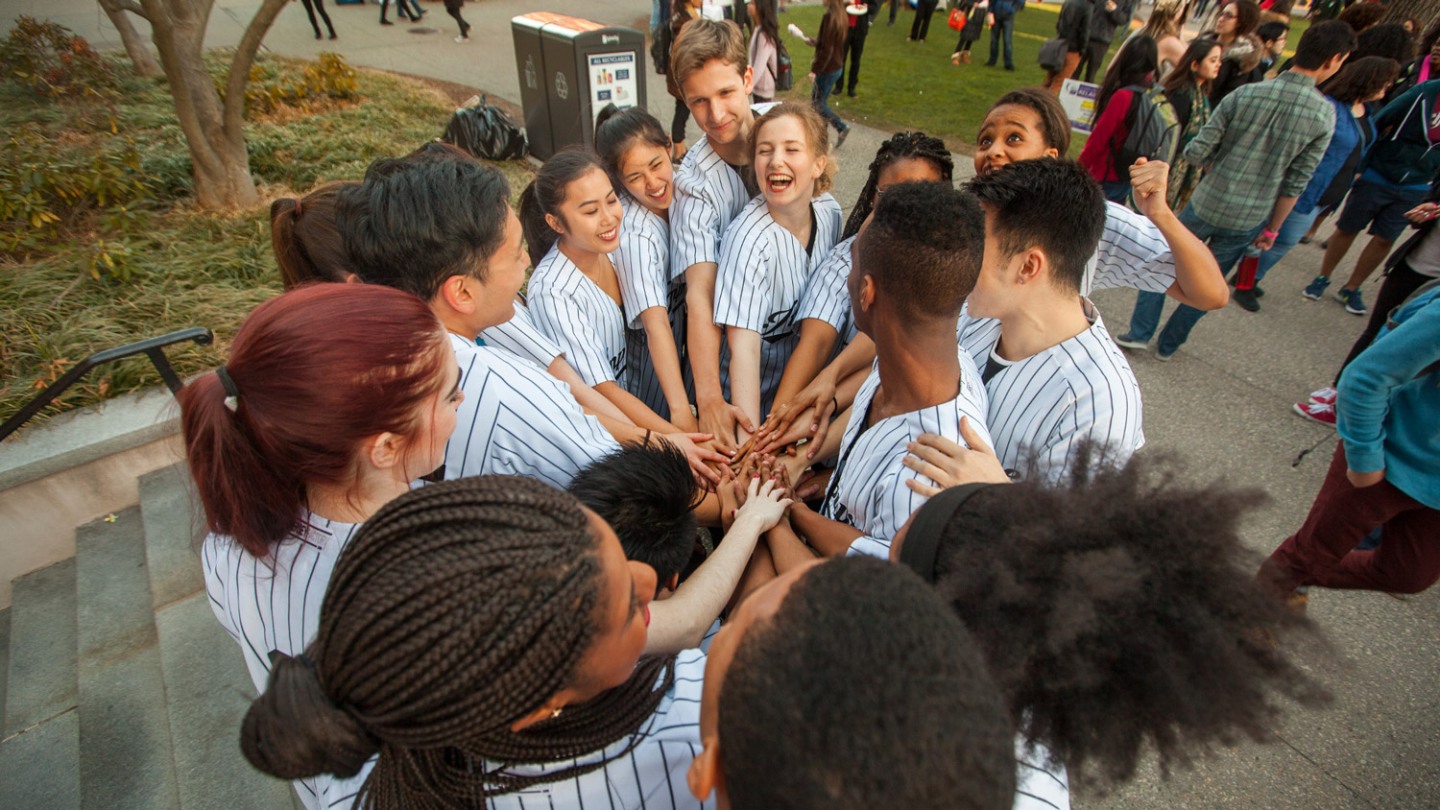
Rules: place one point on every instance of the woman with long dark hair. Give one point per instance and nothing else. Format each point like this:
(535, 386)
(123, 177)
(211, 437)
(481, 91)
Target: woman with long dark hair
(1235, 28)
(1187, 89)
(829, 64)
(1130, 75)
(764, 49)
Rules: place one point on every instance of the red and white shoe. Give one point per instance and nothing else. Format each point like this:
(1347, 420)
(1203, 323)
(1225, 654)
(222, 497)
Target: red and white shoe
(1317, 412)
(1325, 396)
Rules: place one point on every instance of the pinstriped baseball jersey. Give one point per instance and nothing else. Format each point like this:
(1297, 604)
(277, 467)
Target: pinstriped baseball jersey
(650, 777)
(1039, 784)
(709, 193)
(1132, 253)
(586, 323)
(274, 604)
(826, 298)
(518, 420)
(763, 270)
(642, 263)
(521, 337)
(867, 489)
(1046, 403)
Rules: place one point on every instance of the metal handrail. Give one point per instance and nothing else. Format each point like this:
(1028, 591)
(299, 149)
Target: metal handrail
(153, 348)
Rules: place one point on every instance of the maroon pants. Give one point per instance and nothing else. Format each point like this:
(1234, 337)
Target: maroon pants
(1323, 551)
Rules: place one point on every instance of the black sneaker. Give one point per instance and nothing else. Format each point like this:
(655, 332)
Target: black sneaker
(1247, 300)
(840, 141)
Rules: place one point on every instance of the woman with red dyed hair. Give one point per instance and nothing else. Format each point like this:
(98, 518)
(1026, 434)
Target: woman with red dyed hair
(335, 399)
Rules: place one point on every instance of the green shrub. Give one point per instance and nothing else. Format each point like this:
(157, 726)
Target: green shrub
(51, 60)
(273, 85)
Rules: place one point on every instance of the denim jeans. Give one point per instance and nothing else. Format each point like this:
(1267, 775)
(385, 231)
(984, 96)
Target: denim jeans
(820, 98)
(1116, 190)
(1226, 245)
(1296, 225)
(1005, 26)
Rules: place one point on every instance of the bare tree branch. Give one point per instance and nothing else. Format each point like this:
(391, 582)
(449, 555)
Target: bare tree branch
(240, 66)
(125, 5)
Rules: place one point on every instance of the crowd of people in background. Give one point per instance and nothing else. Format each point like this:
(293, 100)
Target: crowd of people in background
(747, 503)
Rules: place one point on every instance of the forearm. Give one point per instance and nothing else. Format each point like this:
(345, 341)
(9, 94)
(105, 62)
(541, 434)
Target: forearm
(701, 332)
(680, 622)
(1198, 280)
(635, 410)
(858, 356)
(829, 537)
(787, 550)
(1281, 212)
(745, 371)
(665, 358)
(817, 339)
(588, 397)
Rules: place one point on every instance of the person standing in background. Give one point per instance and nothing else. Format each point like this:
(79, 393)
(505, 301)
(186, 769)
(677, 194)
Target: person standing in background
(825, 70)
(974, 25)
(924, 10)
(854, 46)
(764, 49)
(1002, 23)
(1073, 26)
(1107, 18)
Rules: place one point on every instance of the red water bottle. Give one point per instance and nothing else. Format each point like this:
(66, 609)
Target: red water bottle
(1249, 263)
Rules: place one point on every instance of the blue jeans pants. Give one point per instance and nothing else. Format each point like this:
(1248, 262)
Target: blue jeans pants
(1296, 225)
(820, 98)
(1004, 26)
(1226, 245)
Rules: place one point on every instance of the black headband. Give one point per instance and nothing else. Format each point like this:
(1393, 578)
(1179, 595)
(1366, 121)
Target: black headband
(921, 549)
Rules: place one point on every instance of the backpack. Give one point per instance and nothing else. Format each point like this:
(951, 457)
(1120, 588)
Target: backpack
(784, 70)
(485, 131)
(661, 37)
(1052, 54)
(1153, 130)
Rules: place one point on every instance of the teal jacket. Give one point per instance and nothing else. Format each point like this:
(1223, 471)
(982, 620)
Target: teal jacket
(1389, 405)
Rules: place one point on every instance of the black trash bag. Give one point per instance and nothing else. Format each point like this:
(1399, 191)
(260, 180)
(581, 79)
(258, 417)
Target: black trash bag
(485, 131)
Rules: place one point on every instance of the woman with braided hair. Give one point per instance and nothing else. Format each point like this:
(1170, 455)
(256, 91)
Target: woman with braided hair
(336, 397)
(824, 309)
(483, 636)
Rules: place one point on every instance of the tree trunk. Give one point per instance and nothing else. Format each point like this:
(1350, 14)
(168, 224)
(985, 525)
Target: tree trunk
(141, 59)
(213, 128)
(1426, 11)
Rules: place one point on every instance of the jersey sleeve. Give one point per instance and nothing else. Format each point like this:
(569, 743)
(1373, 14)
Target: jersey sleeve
(891, 504)
(1132, 253)
(825, 297)
(520, 337)
(694, 229)
(643, 269)
(563, 318)
(743, 284)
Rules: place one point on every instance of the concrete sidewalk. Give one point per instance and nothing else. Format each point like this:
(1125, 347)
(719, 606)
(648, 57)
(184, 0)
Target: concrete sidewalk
(1222, 405)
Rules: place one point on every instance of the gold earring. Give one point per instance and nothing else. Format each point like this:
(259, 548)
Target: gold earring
(555, 712)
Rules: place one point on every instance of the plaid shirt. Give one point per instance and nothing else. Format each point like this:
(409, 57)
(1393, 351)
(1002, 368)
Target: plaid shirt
(1263, 142)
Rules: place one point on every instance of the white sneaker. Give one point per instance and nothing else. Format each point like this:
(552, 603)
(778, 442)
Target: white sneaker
(1325, 396)
(462, 38)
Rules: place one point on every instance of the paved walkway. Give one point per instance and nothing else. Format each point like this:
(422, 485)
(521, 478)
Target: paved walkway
(1222, 405)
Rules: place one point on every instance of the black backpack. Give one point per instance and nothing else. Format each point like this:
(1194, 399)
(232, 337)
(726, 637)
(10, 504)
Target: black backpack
(784, 69)
(485, 131)
(1151, 135)
(660, 40)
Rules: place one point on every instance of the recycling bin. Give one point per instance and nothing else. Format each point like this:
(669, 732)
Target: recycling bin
(569, 70)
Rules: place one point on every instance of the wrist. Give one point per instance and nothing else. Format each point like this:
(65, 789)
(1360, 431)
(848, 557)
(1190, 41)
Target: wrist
(1270, 233)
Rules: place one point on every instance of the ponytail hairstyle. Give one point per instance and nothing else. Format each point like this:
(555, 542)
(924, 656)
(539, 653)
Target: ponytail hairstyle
(311, 374)
(546, 193)
(616, 131)
(456, 610)
(900, 146)
(816, 136)
(306, 242)
(1134, 65)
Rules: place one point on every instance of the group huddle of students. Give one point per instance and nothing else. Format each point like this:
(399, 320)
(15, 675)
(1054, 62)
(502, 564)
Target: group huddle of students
(455, 535)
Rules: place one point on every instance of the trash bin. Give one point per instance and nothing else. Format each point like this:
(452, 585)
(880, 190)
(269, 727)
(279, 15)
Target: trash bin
(569, 70)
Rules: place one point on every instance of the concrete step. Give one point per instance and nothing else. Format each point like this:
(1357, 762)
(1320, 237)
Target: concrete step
(42, 682)
(209, 691)
(125, 752)
(174, 525)
(41, 768)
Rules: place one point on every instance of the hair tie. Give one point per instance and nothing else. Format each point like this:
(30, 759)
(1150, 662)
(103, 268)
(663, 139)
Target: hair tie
(232, 394)
(295, 212)
(921, 549)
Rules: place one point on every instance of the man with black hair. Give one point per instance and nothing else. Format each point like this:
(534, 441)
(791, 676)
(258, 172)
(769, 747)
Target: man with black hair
(1260, 147)
(443, 231)
(812, 671)
(1053, 374)
(1109, 17)
(917, 260)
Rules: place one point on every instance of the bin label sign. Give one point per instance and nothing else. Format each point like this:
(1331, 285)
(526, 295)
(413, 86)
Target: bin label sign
(1078, 99)
(531, 80)
(613, 80)
(562, 87)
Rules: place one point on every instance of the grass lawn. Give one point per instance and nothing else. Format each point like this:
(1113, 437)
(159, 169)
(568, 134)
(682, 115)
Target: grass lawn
(912, 85)
(188, 268)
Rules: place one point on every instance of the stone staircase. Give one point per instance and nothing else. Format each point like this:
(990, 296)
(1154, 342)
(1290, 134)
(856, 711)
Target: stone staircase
(118, 689)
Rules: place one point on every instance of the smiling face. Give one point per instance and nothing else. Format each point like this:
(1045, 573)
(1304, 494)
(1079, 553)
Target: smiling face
(786, 163)
(589, 218)
(504, 274)
(1010, 133)
(648, 175)
(718, 96)
(1208, 69)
